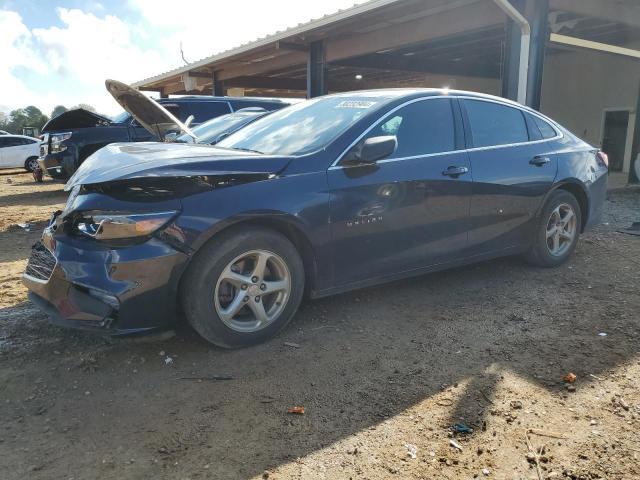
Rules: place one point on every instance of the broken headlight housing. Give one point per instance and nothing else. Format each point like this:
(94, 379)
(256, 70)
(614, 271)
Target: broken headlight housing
(120, 226)
(56, 141)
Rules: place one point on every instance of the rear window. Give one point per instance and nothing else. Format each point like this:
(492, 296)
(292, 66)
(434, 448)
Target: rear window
(203, 111)
(494, 124)
(546, 130)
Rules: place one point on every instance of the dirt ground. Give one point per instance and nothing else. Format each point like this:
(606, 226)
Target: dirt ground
(383, 373)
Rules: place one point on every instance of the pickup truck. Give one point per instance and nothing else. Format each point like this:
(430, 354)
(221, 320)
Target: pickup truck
(71, 137)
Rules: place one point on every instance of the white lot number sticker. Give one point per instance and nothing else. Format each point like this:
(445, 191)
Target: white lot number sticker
(355, 104)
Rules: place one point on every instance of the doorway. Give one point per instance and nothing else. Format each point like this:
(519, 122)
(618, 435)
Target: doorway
(614, 137)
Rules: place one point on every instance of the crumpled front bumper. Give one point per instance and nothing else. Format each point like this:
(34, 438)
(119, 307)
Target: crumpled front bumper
(113, 290)
(52, 164)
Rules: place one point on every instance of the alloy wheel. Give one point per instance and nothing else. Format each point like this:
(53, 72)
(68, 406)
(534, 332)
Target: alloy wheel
(32, 164)
(252, 291)
(561, 229)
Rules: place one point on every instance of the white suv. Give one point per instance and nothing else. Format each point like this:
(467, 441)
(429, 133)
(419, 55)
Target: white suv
(19, 151)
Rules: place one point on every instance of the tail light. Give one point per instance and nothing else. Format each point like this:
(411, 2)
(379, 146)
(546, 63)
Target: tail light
(604, 158)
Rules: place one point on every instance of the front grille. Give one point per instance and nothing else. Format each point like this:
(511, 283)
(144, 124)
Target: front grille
(41, 262)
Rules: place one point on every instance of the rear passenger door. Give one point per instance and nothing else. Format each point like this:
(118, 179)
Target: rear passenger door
(513, 168)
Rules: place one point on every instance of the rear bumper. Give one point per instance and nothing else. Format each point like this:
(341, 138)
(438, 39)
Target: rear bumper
(597, 195)
(117, 291)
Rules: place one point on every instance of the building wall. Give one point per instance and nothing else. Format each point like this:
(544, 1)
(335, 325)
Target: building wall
(579, 85)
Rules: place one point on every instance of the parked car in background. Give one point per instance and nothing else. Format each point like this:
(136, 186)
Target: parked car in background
(216, 129)
(19, 151)
(328, 195)
(4, 132)
(74, 135)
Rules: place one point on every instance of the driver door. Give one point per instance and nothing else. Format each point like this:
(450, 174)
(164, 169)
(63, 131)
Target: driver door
(405, 212)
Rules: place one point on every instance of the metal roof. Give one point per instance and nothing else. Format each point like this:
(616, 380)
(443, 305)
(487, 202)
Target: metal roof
(302, 28)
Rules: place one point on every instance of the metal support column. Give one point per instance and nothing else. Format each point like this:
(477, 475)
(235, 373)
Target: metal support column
(217, 86)
(635, 146)
(316, 70)
(537, 12)
(511, 55)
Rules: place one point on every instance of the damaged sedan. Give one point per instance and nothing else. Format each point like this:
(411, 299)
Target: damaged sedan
(327, 195)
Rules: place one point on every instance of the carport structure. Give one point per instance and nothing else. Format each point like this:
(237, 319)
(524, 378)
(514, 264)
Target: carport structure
(577, 60)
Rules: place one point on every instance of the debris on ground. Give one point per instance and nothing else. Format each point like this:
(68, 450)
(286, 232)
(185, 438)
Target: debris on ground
(168, 360)
(602, 334)
(291, 344)
(462, 428)
(455, 444)
(296, 410)
(412, 450)
(570, 377)
(634, 229)
(516, 404)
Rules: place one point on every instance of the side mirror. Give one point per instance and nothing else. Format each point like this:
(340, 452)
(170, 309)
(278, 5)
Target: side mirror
(372, 150)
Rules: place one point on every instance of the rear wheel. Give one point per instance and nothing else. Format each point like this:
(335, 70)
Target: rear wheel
(557, 233)
(243, 287)
(31, 164)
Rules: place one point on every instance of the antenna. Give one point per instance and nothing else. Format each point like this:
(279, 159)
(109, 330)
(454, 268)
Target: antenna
(182, 54)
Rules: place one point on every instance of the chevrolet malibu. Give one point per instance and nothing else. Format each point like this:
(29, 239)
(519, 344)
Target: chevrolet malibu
(325, 196)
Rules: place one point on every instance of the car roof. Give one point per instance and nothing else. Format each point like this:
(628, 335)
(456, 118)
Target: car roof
(209, 98)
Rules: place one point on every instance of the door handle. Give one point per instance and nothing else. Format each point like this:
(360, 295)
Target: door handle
(539, 161)
(455, 172)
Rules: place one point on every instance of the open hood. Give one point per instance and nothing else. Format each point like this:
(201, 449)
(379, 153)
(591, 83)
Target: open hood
(127, 161)
(76, 118)
(150, 114)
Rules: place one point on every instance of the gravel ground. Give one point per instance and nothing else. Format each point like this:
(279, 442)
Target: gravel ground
(383, 373)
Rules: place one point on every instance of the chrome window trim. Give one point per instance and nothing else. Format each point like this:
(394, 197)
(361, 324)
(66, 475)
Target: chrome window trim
(335, 165)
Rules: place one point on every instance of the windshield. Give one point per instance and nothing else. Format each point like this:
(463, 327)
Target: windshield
(121, 117)
(304, 127)
(212, 130)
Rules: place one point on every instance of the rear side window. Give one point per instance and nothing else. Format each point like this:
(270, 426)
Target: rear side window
(546, 130)
(421, 128)
(203, 111)
(495, 124)
(10, 142)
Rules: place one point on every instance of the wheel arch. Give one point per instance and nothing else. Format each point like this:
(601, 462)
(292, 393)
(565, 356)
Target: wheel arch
(283, 223)
(578, 190)
(26, 162)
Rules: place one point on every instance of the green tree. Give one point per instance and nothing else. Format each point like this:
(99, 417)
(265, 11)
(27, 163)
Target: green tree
(86, 106)
(25, 117)
(58, 110)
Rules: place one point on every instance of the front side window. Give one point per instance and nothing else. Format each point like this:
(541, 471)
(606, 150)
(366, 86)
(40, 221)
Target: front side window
(304, 127)
(421, 128)
(494, 124)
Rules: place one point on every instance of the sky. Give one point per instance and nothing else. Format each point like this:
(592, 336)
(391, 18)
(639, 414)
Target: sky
(59, 52)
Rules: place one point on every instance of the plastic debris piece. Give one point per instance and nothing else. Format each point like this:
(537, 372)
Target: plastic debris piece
(462, 428)
(296, 410)
(168, 360)
(486, 472)
(602, 334)
(455, 444)
(412, 450)
(570, 377)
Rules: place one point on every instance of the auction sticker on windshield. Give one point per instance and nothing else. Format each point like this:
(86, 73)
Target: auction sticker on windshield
(355, 104)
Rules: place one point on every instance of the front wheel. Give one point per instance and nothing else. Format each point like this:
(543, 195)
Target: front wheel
(243, 287)
(31, 164)
(557, 232)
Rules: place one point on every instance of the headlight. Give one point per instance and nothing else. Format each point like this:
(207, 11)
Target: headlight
(116, 226)
(57, 139)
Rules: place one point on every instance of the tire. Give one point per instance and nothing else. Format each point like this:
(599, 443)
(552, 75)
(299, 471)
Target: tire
(543, 252)
(210, 288)
(30, 164)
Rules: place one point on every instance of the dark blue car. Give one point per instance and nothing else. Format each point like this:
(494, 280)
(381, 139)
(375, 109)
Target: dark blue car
(324, 196)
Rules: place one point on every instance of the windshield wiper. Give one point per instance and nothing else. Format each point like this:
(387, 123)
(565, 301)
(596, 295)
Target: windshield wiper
(247, 150)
